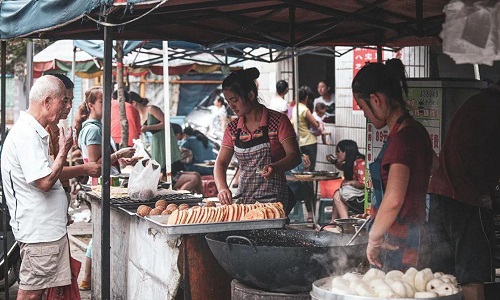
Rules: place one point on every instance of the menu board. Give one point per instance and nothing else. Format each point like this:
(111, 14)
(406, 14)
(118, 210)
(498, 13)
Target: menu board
(425, 106)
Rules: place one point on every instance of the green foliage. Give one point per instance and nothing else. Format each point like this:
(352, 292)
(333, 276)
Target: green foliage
(16, 53)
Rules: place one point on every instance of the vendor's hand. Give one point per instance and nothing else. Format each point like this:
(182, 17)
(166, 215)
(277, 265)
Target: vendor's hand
(125, 152)
(268, 171)
(373, 251)
(144, 128)
(130, 161)
(92, 169)
(65, 140)
(225, 196)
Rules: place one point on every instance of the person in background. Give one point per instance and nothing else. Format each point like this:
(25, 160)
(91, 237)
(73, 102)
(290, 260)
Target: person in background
(35, 197)
(398, 208)
(219, 121)
(307, 141)
(153, 121)
(352, 192)
(133, 118)
(326, 96)
(319, 114)
(201, 149)
(462, 192)
(278, 102)
(264, 143)
(181, 180)
(88, 130)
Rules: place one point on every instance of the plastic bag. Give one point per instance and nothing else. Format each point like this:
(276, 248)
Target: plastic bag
(140, 150)
(470, 32)
(143, 180)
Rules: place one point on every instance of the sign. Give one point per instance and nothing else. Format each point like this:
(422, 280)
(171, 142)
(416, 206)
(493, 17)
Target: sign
(361, 57)
(425, 105)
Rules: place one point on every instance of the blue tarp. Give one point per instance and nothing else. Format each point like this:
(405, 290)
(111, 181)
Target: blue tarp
(22, 17)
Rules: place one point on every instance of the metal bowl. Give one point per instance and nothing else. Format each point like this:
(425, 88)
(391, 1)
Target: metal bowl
(321, 290)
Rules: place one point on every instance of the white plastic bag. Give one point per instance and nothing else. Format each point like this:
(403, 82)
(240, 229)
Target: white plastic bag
(140, 150)
(143, 180)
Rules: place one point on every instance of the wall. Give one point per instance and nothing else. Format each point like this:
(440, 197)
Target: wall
(352, 124)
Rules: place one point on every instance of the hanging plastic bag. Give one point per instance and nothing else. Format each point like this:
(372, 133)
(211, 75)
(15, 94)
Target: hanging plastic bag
(143, 180)
(140, 149)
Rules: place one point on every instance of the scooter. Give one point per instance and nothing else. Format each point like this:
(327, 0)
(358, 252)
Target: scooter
(12, 260)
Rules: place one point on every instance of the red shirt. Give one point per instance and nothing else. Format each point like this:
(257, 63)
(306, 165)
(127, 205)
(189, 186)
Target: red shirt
(469, 162)
(411, 146)
(359, 170)
(279, 126)
(134, 122)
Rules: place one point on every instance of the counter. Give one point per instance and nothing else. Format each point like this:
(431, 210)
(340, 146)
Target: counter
(147, 263)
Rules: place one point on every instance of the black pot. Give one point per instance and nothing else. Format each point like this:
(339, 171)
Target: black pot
(285, 260)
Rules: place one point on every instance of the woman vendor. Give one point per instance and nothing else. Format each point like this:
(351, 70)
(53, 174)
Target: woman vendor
(264, 143)
(398, 208)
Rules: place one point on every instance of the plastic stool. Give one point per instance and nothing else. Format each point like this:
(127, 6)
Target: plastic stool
(297, 213)
(209, 187)
(325, 210)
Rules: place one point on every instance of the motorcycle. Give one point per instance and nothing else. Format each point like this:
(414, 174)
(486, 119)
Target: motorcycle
(12, 261)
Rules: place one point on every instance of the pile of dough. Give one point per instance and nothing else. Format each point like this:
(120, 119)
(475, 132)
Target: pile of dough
(396, 284)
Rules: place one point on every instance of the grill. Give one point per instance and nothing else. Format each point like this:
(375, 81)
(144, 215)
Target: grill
(170, 198)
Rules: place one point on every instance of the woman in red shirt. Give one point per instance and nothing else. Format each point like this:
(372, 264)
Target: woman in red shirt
(263, 141)
(398, 206)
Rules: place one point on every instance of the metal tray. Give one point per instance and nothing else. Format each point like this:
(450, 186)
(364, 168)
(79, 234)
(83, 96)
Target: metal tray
(318, 173)
(321, 290)
(215, 227)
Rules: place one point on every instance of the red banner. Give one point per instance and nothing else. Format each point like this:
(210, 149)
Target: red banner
(361, 56)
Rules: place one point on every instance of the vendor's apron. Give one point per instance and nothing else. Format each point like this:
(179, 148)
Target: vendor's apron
(402, 233)
(252, 156)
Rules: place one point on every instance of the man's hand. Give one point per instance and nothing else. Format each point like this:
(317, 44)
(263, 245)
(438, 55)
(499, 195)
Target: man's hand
(65, 139)
(92, 169)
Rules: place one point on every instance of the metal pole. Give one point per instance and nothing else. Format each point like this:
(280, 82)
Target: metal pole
(106, 152)
(4, 201)
(166, 113)
(29, 71)
(477, 76)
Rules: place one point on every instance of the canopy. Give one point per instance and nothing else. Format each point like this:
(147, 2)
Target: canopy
(59, 57)
(294, 23)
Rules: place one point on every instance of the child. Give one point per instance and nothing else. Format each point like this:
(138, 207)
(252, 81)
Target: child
(319, 114)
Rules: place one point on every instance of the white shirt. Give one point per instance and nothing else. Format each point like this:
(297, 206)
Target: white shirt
(278, 104)
(330, 105)
(36, 216)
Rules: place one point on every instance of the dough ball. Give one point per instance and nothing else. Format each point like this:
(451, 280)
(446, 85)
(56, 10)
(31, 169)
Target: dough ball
(183, 206)
(143, 210)
(161, 203)
(155, 212)
(210, 204)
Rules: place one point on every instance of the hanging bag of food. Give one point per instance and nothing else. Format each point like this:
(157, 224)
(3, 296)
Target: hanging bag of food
(143, 180)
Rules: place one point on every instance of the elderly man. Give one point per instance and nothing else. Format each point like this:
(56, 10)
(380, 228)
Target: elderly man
(35, 197)
(68, 172)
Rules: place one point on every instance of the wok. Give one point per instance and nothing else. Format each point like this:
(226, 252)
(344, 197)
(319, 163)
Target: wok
(285, 260)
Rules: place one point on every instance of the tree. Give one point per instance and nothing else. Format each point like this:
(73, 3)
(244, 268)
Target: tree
(16, 53)
(120, 93)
